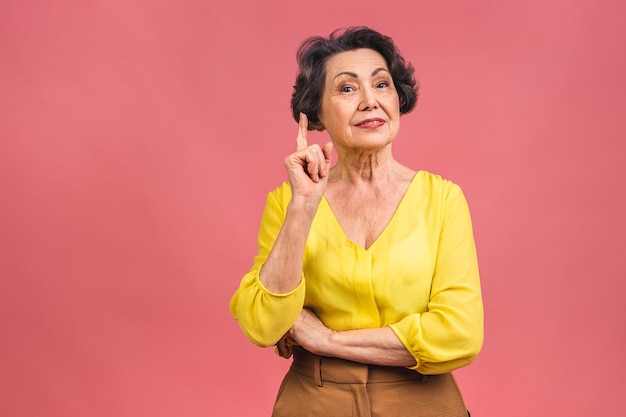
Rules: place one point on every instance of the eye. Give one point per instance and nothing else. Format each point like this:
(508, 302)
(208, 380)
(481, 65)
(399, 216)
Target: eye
(346, 89)
(382, 84)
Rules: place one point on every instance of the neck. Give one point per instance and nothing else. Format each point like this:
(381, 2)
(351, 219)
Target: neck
(369, 168)
(359, 166)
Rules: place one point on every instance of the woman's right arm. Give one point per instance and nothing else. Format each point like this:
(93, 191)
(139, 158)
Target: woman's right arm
(271, 295)
(308, 176)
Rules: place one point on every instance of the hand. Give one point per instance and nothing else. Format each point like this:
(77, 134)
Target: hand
(309, 332)
(284, 346)
(308, 167)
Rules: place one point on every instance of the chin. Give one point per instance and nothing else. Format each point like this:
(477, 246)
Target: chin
(377, 140)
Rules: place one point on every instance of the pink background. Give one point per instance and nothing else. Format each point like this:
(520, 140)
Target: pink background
(138, 140)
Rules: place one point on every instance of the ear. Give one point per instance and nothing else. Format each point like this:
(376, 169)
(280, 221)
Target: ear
(316, 126)
(319, 126)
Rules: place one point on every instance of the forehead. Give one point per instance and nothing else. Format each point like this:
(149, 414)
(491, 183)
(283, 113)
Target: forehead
(357, 61)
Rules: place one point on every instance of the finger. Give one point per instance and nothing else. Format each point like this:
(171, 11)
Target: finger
(319, 162)
(312, 170)
(303, 125)
(282, 347)
(315, 163)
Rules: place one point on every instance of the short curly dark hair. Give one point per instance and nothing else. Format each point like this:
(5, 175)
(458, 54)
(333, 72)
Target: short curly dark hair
(315, 51)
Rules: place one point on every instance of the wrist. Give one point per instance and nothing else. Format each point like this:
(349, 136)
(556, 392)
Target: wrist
(303, 206)
(329, 344)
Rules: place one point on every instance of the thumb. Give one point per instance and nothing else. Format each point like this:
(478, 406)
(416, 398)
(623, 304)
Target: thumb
(327, 150)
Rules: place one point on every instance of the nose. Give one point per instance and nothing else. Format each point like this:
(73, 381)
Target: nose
(368, 99)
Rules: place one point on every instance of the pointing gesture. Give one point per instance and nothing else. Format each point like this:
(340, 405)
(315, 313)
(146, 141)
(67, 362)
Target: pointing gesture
(303, 125)
(308, 167)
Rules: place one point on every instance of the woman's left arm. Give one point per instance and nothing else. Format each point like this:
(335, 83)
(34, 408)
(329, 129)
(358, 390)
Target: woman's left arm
(372, 346)
(449, 334)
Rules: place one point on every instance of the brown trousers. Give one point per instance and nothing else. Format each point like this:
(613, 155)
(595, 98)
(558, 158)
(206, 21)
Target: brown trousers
(318, 386)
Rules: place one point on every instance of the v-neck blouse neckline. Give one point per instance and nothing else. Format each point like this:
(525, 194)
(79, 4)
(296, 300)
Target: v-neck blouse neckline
(389, 224)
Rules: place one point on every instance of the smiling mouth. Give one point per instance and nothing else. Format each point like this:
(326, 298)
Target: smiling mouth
(371, 123)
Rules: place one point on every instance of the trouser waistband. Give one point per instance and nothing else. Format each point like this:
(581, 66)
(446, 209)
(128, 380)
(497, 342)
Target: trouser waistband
(323, 368)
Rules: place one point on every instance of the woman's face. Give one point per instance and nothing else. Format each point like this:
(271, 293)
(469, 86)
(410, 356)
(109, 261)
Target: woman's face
(360, 106)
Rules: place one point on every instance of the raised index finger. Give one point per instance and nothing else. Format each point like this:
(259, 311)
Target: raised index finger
(303, 124)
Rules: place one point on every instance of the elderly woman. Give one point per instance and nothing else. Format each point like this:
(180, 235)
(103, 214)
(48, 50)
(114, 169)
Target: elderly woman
(366, 272)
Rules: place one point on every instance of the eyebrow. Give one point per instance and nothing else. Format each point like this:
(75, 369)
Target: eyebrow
(354, 75)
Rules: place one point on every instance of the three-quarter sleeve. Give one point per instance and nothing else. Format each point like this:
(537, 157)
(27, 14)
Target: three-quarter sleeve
(265, 316)
(449, 334)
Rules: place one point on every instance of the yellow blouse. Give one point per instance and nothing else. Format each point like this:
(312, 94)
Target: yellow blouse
(420, 277)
